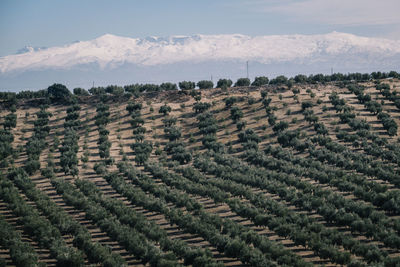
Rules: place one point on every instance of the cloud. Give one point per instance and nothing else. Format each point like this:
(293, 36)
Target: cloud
(334, 12)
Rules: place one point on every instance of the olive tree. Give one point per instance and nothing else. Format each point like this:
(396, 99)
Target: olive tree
(58, 93)
(165, 109)
(187, 85)
(260, 81)
(168, 86)
(80, 92)
(236, 114)
(205, 84)
(224, 83)
(242, 82)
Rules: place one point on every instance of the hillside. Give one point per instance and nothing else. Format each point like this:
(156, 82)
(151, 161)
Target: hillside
(243, 176)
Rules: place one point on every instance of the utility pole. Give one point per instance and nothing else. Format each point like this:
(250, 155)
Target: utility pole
(331, 71)
(247, 68)
(93, 85)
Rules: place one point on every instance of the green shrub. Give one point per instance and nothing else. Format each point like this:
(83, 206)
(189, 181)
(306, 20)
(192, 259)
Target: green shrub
(242, 82)
(260, 81)
(224, 83)
(187, 85)
(168, 86)
(165, 109)
(59, 93)
(251, 101)
(241, 125)
(229, 101)
(205, 84)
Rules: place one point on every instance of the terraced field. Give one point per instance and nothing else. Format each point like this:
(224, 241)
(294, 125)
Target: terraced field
(241, 176)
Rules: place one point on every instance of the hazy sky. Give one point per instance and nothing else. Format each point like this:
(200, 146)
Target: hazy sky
(55, 22)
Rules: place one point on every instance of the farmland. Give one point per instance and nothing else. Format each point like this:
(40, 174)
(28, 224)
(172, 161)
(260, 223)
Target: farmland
(264, 175)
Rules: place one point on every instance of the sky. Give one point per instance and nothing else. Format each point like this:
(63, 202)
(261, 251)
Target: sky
(46, 23)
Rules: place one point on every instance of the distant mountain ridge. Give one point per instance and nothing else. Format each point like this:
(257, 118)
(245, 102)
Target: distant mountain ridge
(27, 49)
(110, 50)
(148, 58)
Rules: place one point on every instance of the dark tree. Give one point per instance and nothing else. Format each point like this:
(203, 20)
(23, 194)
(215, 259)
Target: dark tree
(6, 138)
(249, 135)
(242, 82)
(300, 78)
(394, 74)
(200, 107)
(229, 101)
(260, 81)
(281, 126)
(205, 84)
(279, 80)
(241, 125)
(306, 104)
(31, 166)
(266, 102)
(169, 121)
(59, 93)
(168, 86)
(236, 114)
(272, 119)
(133, 107)
(263, 94)
(224, 83)
(10, 121)
(172, 133)
(187, 85)
(320, 128)
(142, 151)
(81, 92)
(114, 90)
(165, 109)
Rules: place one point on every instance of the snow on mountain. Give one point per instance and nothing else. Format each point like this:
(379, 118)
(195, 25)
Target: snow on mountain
(27, 49)
(110, 51)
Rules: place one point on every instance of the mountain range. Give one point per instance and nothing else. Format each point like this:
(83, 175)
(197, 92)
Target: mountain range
(112, 59)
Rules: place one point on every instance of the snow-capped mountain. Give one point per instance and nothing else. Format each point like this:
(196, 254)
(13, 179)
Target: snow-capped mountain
(184, 57)
(27, 49)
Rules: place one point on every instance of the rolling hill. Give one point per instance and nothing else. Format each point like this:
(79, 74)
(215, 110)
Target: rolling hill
(266, 175)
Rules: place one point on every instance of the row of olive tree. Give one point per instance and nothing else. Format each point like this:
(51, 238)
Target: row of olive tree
(376, 108)
(142, 148)
(104, 145)
(226, 239)
(94, 251)
(69, 147)
(59, 93)
(133, 241)
(37, 142)
(148, 228)
(324, 150)
(39, 228)
(302, 195)
(175, 147)
(280, 219)
(208, 127)
(379, 147)
(361, 213)
(21, 253)
(7, 137)
(192, 182)
(393, 95)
